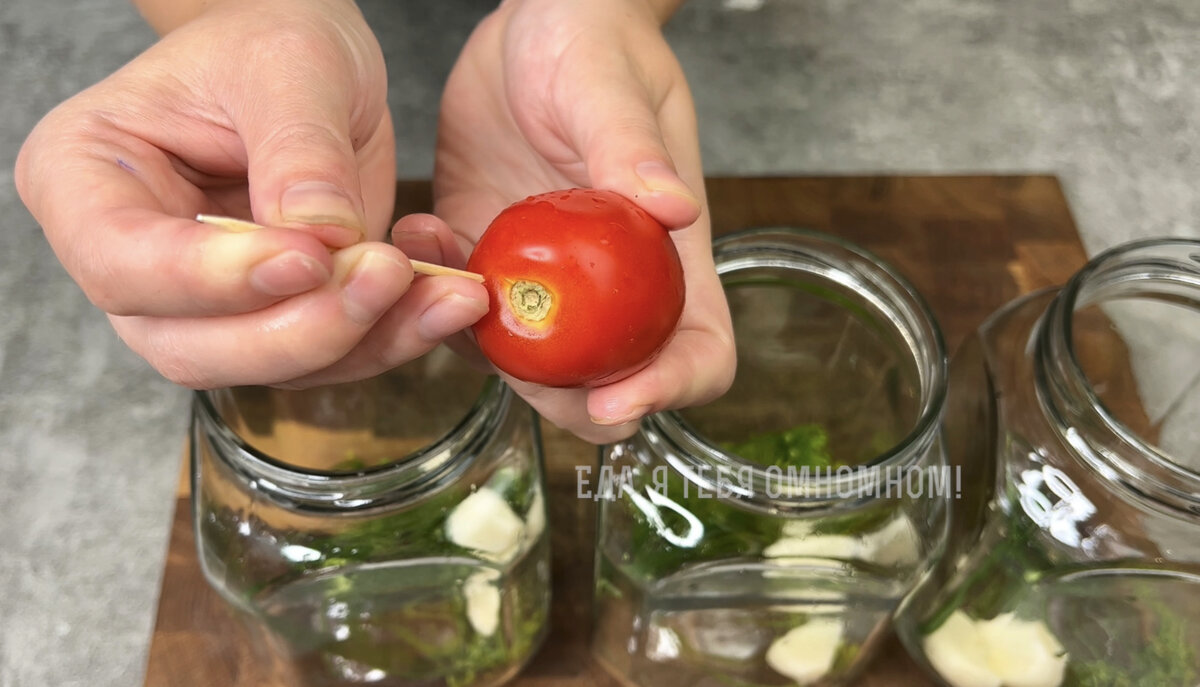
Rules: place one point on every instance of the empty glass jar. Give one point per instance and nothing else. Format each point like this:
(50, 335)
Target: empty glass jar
(766, 538)
(387, 532)
(1075, 559)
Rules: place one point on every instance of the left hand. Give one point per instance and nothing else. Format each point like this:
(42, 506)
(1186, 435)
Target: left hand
(272, 110)
(550, 94)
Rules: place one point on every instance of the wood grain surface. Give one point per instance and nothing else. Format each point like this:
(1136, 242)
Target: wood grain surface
(969, 245)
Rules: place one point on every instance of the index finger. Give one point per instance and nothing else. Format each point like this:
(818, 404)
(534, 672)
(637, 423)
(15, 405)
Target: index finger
(111, 205)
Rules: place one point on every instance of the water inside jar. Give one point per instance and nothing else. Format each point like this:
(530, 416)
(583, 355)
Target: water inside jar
(357, 426)
(425, 621)
(816, 365)
(1109, 623)
(719, 624)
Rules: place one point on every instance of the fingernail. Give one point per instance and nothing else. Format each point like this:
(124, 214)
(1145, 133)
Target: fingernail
(659, 177)
(319, 202)
(287, 274)
(617, 412)
(419, 245)
(366, 293)
(449, 314)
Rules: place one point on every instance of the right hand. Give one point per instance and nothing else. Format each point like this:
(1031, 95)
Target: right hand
(274, 111)
(550, 94)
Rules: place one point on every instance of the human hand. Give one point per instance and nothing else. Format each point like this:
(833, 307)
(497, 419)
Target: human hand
(273, 110)
(550, 94)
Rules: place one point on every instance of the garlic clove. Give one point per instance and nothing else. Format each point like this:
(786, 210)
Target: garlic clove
(959, 653)
(535, 519)
(484, 522)
(798, 528)
(1023, 653)
(816, 546)
(806, 653)
(896, 544)
(483, 601)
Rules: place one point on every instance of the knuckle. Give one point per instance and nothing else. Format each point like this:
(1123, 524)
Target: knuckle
(178, 371)
(721, 370)
(595, 434)
(106, 300)
(101, 271)
(181, 377)
(313, 149)
(102, 285)
(169, 356)
(382, 358)
(294, 41)
(302, 134)
(636, 125)
(311, 55)
(726, 362)
(304, 355)
(41, 146)
(631, 127)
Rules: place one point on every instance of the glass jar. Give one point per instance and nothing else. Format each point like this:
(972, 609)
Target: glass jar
(766, 538)
(389, 531)
(1075, 557)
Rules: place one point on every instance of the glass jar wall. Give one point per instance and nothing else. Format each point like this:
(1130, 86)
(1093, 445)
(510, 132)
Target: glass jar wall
(767, 537)
(390, 531)
(1076, 560)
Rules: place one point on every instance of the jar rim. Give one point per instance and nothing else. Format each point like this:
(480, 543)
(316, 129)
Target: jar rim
(696, 455)
(415, 473)
(1144, 263)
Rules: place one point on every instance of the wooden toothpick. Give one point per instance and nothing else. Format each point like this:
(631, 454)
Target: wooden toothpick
(427, 268)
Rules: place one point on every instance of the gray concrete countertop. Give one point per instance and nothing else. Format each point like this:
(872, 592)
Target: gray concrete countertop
(1098, 91)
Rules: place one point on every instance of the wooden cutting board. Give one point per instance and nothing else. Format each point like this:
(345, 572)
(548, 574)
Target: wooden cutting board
(969, 245)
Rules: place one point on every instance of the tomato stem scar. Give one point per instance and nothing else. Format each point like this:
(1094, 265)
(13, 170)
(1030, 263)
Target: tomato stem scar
(530, 300)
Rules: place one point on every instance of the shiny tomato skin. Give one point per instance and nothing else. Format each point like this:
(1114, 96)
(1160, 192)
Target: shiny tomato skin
(614, 280)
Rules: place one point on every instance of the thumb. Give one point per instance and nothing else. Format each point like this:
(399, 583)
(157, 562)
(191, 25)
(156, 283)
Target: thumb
(301, 164)
(620, 138)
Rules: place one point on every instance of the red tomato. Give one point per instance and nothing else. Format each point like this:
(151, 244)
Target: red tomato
(586, 288)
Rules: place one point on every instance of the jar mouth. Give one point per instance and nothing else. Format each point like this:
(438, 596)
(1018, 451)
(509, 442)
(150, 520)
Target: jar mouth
(863, 283)
(1143, 274)
(414, 473)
